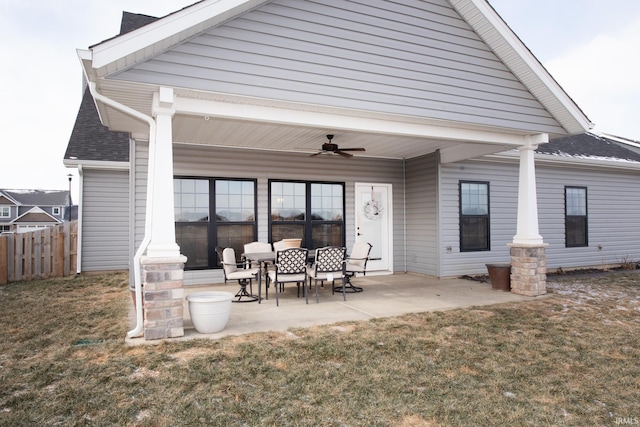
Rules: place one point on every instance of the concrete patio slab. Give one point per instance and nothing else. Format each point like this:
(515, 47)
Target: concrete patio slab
(383, 296)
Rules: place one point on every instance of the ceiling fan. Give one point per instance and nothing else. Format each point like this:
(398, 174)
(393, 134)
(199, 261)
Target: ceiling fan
(331, 148)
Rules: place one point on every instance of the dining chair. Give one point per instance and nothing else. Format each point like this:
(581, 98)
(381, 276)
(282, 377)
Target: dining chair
(257, 247)
(292, 243)
(287, 243)
(290, 267)
(356, 263)
(236, 271)
(329, 265)
(279, 245)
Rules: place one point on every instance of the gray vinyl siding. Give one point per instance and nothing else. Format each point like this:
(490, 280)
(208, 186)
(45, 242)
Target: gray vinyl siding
(105, 220)
(503, 204)
(418, 58)
(613, 223)
(428, 200)
(196, 160)
(421, 208)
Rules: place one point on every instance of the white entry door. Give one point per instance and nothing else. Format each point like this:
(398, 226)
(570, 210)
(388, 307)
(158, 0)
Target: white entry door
(374, 222)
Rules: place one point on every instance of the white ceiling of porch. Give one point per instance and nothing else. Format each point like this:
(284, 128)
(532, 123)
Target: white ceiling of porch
(276, 137)
(207, 126)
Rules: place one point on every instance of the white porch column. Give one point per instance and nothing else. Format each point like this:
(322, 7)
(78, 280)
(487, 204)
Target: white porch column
(163, 266)
(527, 224)
(163, 235)
(528, 256)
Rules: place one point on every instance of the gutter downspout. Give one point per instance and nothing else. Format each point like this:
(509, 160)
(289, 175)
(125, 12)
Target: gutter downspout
(438, 214)
(149, 207)
(404, 210)
(80, 201)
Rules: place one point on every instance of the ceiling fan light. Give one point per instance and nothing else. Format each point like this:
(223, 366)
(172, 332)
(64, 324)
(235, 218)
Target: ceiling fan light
(331, 148)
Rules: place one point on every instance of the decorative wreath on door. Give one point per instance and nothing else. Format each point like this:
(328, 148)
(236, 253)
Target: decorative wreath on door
(373, 209)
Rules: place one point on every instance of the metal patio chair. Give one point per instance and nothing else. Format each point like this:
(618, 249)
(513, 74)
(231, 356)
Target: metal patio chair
(290, 267)
(329, 265)
(237, 271)
(286, 243)
(356, 263)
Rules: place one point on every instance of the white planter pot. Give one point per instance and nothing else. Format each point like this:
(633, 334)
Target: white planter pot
(209, 311)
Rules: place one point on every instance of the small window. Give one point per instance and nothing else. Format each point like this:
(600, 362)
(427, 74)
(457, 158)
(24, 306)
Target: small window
(575, 220)
(56, 210)
(5, 211)
(474, 216)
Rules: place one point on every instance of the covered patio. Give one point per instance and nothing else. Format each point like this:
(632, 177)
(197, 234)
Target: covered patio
(383, 296)
(237, 91)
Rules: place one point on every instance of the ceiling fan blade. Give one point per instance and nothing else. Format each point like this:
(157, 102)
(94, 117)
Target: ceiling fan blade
(331, 148)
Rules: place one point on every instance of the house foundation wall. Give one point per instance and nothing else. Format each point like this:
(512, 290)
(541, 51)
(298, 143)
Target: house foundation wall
(163, 289)
(528, 269)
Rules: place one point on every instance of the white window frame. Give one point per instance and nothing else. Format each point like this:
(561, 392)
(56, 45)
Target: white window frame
(5, 211)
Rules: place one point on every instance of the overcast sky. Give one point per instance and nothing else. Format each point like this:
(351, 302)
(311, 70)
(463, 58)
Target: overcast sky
(589, 46)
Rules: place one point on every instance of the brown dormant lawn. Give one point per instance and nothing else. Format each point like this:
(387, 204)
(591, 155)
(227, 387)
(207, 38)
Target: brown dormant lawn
(570, 359)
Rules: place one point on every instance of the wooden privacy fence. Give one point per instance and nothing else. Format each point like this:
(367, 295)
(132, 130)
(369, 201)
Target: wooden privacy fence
(46, 252)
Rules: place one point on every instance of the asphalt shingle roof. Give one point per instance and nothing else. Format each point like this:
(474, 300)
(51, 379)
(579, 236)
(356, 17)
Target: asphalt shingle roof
(589, 145)
(38, 197)
(90, 140)
(133, 21)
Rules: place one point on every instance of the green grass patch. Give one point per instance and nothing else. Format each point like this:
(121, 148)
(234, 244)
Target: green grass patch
(569, 359)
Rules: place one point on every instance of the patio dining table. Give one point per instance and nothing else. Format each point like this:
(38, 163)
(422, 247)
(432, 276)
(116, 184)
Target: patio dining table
(263, 258)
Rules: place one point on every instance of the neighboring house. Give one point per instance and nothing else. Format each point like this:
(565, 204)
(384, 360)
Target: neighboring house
(203, 128)
(27, 210)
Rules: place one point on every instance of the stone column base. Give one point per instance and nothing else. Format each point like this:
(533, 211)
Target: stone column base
(528, 269)
(163, 295)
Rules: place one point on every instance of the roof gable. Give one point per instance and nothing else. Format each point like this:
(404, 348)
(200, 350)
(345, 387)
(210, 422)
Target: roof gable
(36, 215)
(419, 60)
(510, 49)
(155, 37)
(559, 114)
(4, 200)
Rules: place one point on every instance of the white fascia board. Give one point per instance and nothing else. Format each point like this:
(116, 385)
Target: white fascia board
(96, 164)
(586, 162)
(84, 54)
(346, 122)
(565, 161)
(86, 58)
(510, 49)
(183, 23)
(621, 139)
